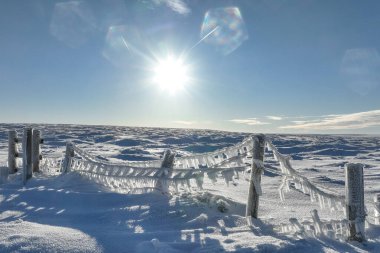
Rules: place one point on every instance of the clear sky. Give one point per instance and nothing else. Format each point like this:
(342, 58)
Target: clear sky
(297, 66)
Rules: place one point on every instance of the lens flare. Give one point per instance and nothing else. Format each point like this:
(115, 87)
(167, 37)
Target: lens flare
(72, 23)
(224, 28)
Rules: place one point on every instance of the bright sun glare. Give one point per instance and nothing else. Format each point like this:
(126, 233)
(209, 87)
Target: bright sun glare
(171, 74)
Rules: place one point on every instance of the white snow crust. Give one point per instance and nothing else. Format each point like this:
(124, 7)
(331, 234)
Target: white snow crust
(57, 212)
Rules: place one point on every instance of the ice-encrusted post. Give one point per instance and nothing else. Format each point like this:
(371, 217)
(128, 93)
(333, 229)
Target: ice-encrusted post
(355, 201)
(68, 156)
(36, 154)
(167, 170)
(377, 209)
(27, 154)
(257, 169)
(317, 222)
(12, 151)
(4, 171)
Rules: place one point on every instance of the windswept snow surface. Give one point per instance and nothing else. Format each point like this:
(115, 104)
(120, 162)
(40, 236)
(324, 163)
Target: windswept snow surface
(67, 213)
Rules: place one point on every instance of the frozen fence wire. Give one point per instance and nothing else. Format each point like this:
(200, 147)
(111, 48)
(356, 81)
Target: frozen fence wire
(128, 177)
(334, 229)
(325, 199)
(234, 156)
(51, 164)
(225, 163)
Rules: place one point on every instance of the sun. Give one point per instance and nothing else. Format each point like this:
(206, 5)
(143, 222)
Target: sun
(171, 74)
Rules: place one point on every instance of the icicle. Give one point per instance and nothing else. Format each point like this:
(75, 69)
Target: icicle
(237, 176)
(210, 162)
(287, 185)
(281, 188)
(323, 201)
(297, 185)
(228, 176)
(212, 175)
(199, 180)
(312, 197)
(320, 201)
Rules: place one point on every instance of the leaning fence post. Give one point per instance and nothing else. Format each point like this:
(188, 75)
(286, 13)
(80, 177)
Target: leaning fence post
(68, 157)
(36, 154)
(12, 151)
(377, 209)
(167, 170)
(27, 154)
(355, 201)
(255, 179)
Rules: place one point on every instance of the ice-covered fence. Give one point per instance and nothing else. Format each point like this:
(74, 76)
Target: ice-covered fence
(51, 165)
(187, 171)
(336, 229)
(127, 178)
(225, 163)
(352, 203)
(377, 209)
(31, 154)
(331, 200)
(234, 156)
(257, 168)
(12, 151)
(27, 171)
(355, 201)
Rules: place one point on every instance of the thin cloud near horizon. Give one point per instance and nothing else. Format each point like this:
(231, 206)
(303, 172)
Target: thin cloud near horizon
(339, 121)
(249, 121)
(358, 120)
(274, 117)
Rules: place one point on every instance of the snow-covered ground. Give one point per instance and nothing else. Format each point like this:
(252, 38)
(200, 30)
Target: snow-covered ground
(67, 213)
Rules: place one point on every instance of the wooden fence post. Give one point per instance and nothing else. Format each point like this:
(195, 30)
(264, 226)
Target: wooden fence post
(167, 167)
(36, 154)
(377, 209)
(68, 155)
(255, 179)
(355, 201)
(317, 222)
(4, 171)
(27, 154)
(12, 151)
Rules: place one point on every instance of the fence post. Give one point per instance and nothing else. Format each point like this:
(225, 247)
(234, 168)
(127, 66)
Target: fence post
(27, 154)
(36, 154)
(355, 201)
(12, 151)
(255, 179)
(68, 155)
(4, 171)
(167, 167)
(317, 222)
(377, 209)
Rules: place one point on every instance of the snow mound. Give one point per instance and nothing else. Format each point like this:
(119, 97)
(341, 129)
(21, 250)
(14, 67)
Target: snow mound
(24, 236)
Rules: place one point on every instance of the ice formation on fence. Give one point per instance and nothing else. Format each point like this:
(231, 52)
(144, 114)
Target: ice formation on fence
(290, 175)
(334, 229)
(51, 164)
(225, 163)
(377, 209)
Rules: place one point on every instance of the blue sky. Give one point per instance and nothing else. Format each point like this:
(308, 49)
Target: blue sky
(271, 66)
